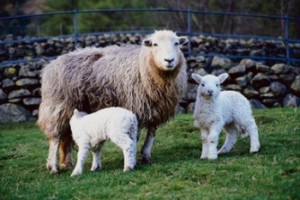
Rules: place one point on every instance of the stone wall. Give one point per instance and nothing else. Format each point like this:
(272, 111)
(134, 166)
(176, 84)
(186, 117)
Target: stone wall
(265, 84)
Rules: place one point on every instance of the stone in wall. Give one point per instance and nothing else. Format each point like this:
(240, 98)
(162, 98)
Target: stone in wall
(19, 93)
(295, 87)
(7, 83)
(14, 113)
(291, 100)
(3, 96)
(260, 80)
(278, 89)
(27, 82)
(221, 62)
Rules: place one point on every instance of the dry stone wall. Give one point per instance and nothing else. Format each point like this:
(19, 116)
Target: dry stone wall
(265, 84)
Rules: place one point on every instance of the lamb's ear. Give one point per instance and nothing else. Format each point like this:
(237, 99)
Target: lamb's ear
(147, 42)
(76, 112)
(196, 77)
(183, 40)
(223, 77)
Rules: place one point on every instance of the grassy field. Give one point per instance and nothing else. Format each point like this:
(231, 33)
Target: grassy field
(177, 171)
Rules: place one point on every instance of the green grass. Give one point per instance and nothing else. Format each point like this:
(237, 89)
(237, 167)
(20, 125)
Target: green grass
(177, 172)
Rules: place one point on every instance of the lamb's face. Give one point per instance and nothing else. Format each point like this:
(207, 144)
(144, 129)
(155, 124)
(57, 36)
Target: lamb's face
(165, 49)
(209, 85)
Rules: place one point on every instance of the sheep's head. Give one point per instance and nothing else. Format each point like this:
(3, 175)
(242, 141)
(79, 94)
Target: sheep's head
(165, 48)
(209, 85)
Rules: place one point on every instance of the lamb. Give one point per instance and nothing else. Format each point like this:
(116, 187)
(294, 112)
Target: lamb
(92, 130)
(147, 79)
(215, 109)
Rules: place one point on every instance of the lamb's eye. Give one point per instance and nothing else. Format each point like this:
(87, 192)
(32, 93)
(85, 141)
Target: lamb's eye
(176, 43)
(202, 85)
(155, 44)
(217, 85)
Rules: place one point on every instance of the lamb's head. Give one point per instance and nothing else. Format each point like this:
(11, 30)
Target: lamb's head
(209, 85)
(165, 49)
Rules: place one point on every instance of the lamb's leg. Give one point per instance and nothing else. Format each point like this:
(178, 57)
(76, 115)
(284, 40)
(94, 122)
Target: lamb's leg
(96, 165)
(130, 156)
(204, 136)
(147, 147)
(213, 138)
(127, 142)
(52, 156)
(254, 138)
(65, 151)
(231, 138)
(81, 157)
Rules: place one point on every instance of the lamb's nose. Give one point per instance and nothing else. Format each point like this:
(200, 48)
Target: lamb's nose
(169, 60)
(210, 92)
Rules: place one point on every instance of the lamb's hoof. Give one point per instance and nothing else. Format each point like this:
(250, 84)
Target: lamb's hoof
(128, 168)
(146, 160)
(75, 174)
(214, 157)
(202, 157)
(65, 166)
(254, 150)
(94, 169)
(52, 170)
(222, 151)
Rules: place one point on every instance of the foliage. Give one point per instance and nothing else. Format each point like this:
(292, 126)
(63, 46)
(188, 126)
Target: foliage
(177, 172)
(95, 22)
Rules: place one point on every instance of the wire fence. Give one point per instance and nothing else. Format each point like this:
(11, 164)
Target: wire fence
(189, 25)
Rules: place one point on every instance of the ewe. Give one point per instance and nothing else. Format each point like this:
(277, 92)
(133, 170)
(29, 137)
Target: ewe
(147, 79)
(91, 131)
(215, 110)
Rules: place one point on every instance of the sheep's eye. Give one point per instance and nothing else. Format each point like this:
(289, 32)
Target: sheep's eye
(202, 85)
(155, 45)
(176, 43)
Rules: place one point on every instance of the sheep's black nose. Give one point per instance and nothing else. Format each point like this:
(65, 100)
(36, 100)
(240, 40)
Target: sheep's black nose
(169, 60)
(210, 92)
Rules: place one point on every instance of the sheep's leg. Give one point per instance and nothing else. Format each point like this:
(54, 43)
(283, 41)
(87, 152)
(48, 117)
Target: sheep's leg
(52, 156)
(96, 165)
(254, 139)
(204, 136)
(147, 147)
(81, 157)
(213, 138)
(65, 151)
(231, 138)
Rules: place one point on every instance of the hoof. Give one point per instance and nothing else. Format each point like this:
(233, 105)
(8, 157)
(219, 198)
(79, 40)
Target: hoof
(254, 150)
(75, 174)
(202, 157)
(146, 160)
(94, 169)
(214, 157)
(52, 170)
(64, 166)
(128, 168)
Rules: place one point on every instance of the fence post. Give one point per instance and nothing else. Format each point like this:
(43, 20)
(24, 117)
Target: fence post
(189, 30)
(75, 26)
(286, 39)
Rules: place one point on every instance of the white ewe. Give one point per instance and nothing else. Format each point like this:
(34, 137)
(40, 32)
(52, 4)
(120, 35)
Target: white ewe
(147, 79)
(90, 131)
(215, 109)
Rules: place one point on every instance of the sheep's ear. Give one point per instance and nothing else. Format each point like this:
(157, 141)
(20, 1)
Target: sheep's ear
(196, 77)
(223, 77)
(147, 42)
(183, 40)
